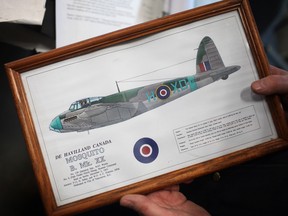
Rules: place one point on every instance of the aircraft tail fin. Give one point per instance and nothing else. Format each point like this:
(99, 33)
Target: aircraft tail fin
(208, 57)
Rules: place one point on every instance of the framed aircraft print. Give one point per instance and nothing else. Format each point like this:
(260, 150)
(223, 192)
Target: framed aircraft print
(146, 107)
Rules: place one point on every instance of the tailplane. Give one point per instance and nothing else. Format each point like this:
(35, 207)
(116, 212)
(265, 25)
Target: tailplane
(208, 57)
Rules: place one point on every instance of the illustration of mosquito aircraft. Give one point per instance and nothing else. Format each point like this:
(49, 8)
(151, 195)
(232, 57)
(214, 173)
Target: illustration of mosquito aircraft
(95, 112)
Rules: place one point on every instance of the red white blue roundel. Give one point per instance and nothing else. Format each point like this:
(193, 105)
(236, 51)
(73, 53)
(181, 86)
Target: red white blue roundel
(146, 150)
(163, 92)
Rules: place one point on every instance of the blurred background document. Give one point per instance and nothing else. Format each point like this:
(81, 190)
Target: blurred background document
(24, 11)
(82, 19)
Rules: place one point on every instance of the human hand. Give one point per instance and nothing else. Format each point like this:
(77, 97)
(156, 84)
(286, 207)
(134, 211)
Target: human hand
(166, 202)
(276, 83)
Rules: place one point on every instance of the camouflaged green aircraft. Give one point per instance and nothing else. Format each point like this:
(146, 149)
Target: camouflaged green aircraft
(95, 112)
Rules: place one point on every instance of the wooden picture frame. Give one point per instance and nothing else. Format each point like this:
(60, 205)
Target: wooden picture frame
(34, 81)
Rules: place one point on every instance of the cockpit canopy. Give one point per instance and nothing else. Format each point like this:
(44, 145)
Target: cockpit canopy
(83, 103)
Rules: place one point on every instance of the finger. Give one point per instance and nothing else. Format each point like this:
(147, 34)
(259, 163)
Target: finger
(273, 84)
(173, 188)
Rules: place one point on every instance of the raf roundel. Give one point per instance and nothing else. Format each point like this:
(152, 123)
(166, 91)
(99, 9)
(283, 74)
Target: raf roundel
(163, 92)
(146, 150)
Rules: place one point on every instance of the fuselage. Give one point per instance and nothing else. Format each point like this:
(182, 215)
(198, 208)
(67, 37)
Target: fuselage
(95, 112)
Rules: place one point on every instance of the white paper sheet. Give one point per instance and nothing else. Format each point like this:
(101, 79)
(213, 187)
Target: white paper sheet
(79, 20)
(22, 11)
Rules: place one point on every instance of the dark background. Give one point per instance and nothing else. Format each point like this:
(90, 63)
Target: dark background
(257, 187)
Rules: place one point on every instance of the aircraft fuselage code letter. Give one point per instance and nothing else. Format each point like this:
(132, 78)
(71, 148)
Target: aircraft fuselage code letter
(151, 96)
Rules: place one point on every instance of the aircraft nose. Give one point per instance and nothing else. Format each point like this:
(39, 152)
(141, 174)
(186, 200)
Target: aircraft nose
(56, 125)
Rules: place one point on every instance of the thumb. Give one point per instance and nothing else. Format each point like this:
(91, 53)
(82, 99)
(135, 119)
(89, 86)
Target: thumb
(273, 84)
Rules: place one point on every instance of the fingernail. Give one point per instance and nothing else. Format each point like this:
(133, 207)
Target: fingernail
(257, 85)
(126, 202)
